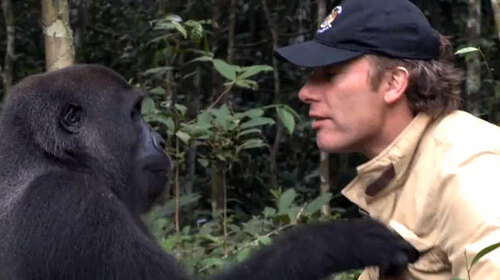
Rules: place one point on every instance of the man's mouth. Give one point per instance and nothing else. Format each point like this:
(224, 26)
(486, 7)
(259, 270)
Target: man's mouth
(318, 122)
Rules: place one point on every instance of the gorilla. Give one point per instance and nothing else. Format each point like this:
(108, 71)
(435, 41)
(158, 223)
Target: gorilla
(78, 166)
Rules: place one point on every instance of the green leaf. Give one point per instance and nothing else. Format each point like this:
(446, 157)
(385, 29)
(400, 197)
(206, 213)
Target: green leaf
(252, 227)
(247, 84)
(203, 162)
(315, 205)
(162, 119)
(223, 117)
(249, 131)
(171, 241)
(253, 113)
(234, 228)
(185, 230)
(181, 108)
(157, 91)
(253, 70)
(158, 70)
(252, 143)
(214, 239)
(170, 124)
(205, 118)
(269, 212)
(183, 136)
(209, 262)
(466, 50)
(180, 28)
(293, 212)
(148, 106)
(198, 131)
(201, 59)
(265, 240)
(286, 200)
(243, 255)
(184, 200)
(257, 122)
(226, 70)
(196, 31)
(484, 252)
(286, 118)
(162, 25)
(173, 18)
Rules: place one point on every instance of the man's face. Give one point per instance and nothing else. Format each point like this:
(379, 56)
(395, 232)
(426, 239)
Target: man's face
(348, 113)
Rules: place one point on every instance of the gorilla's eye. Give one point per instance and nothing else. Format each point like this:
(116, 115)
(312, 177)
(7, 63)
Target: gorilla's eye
(71, 117)
(136, 111)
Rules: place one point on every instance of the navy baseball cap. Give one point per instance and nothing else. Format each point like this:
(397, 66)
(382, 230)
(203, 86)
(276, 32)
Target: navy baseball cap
(394, 28)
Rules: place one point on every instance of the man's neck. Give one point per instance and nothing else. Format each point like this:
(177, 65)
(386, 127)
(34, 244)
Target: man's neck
(395, 124)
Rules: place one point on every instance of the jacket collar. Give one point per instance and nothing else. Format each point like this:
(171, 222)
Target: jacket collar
(388, 170)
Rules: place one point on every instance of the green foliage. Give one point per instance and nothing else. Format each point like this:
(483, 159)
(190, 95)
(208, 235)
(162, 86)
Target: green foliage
(478, 256)
(225, 134)
(466, 50)
(287, 117)
(201, 249)
(483, 252)
(237, 75)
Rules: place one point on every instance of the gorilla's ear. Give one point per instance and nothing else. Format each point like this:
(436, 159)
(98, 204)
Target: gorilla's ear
(71, 117)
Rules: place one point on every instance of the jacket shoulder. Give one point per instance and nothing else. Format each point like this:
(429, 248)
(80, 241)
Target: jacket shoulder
(462, 134)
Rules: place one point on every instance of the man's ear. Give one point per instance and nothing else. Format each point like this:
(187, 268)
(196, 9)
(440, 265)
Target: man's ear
(71, 118)
(396, 85)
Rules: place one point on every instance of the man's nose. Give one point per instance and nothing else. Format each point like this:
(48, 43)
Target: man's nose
(308, 93)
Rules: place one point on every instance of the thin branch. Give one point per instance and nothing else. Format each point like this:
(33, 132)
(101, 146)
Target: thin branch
(220, 97)
(277, 90)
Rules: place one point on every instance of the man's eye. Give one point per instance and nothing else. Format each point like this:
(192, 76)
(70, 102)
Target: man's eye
(332, 74)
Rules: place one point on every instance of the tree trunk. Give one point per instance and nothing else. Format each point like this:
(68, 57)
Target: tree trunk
(218, 181)
(78, 15)
(230, 35)
(59, 49)
(324, 160)
(10, 56)
(277, 98)
(193, 99)
(496, 15)
(216, 78)
(473, 63)
(218, 178)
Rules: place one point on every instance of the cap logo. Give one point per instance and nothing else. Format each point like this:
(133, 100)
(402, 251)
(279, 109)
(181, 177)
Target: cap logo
(327, 23)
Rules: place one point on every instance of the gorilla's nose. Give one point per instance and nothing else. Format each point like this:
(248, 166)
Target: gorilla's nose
(158, 141)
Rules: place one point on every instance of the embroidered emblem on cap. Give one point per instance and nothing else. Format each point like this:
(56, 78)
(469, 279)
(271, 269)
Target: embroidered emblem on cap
(327, 23)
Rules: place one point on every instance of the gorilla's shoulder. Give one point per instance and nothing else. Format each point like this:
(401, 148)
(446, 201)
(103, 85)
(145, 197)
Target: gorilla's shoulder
(63, 187)
(71, 204)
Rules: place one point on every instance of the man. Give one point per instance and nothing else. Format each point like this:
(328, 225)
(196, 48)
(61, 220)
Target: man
(383, 85)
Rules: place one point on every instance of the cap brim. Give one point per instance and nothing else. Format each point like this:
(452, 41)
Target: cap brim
(314, 54)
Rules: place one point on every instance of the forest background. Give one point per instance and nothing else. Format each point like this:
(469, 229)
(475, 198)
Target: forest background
(247, 166)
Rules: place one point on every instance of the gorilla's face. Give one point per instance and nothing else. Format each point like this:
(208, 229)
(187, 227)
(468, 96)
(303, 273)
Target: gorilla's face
(152, 165)
(98, 126)
(148, 163)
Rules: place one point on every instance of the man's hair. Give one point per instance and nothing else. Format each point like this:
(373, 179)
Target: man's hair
(434, 85)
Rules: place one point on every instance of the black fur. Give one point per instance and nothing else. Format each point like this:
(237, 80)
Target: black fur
(78, 165)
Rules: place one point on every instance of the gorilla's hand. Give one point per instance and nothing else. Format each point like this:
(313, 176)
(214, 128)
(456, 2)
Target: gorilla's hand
(376, 245)
(315, 251)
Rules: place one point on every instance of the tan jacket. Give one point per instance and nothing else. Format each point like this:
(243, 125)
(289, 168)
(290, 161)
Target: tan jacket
(438, 186)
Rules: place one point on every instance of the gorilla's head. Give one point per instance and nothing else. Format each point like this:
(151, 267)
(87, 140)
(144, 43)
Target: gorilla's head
(88, 118)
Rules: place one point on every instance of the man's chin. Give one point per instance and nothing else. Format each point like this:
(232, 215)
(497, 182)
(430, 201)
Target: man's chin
(331, 146)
